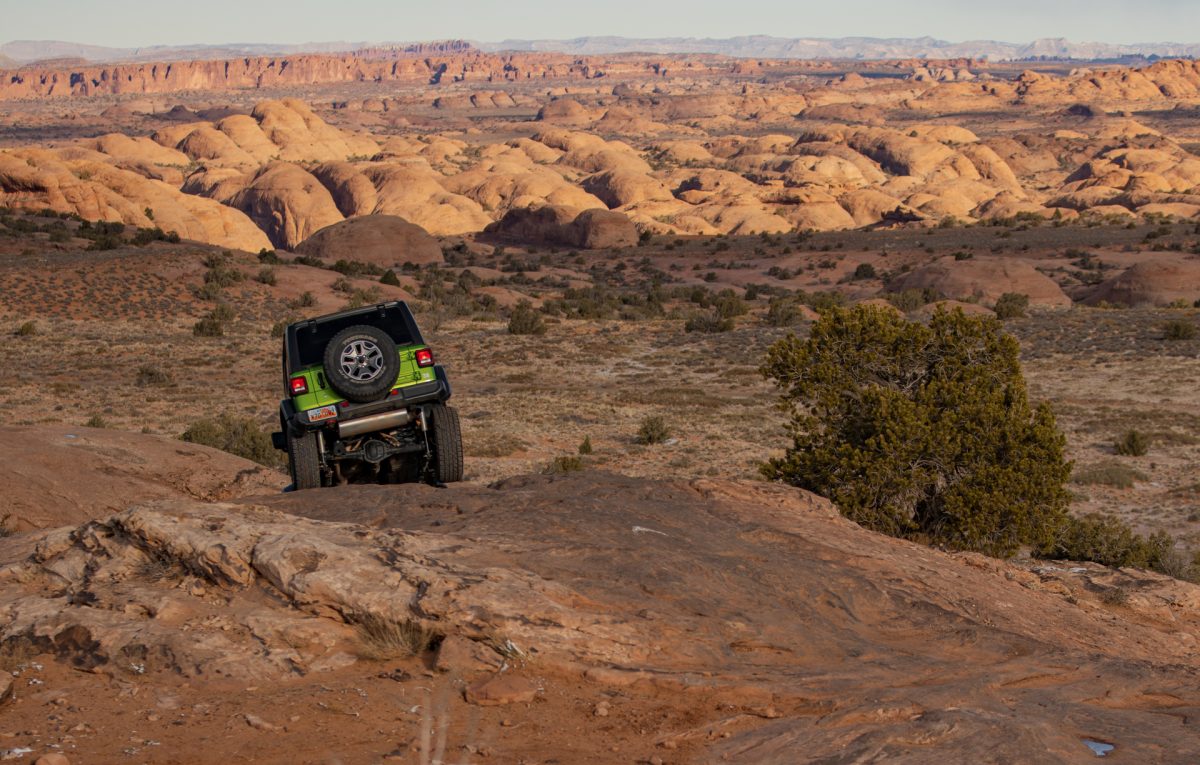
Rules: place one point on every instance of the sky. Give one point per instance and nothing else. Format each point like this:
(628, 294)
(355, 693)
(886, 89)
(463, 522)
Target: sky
(134, 23)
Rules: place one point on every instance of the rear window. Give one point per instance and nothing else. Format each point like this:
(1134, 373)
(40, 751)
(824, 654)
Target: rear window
(312, 339)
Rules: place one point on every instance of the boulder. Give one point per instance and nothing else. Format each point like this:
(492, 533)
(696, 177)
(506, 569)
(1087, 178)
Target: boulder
(460, 655)
(555, 225)
(97, 190)
(386, 241)
(985, 279)
(498, 690)
(1152, 282)
(868, 206)
(567, 111)
(122, 147)
(413, 191)
(617, 188)
(603, 229)
(288, 203)
(544, 225)
(352, 192)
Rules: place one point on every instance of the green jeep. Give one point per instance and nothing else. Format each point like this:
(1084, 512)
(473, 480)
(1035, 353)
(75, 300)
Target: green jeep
(364, 401)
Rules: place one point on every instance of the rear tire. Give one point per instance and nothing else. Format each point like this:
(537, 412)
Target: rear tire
(361, 363)
(304, 461)
(445, 437)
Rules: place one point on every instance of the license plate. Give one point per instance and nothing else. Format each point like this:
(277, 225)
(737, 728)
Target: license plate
(322, 413)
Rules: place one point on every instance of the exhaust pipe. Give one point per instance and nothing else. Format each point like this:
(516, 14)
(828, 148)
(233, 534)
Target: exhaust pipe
(372, 423)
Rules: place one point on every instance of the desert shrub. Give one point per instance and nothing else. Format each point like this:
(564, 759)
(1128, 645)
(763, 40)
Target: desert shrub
(220, 272)
(208, 327)
(653, 430)
(864, 271)
(1011, 305)
(266, 276)
(1178, 564)
(27, 329)
(708, 322)
(242, 436)
(570, 463)
(269, 257)
(360, 297)
(96, 421)
(729, 305)
(585, 447)
(309, 260)
(819, 301)
(105, 228)
(209, 291)
(389, 278)
(105, 242)
(1109, 541)
(1132, 443)
(1179, 329)
(912, 299)
(279, 327)
(145, 236)
(148, 374)
(525, 321)
(1110, 473)
(921, 431)
(223, 312)
(356, 268)
(306, 300)
(701, 296)
(384, 639)
(784, 311)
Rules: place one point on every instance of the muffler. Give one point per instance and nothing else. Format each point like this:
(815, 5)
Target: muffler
(373, 423)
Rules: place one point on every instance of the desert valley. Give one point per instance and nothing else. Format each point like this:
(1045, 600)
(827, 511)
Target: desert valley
(601, 249)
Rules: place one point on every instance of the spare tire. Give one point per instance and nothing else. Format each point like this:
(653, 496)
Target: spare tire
(361, 363)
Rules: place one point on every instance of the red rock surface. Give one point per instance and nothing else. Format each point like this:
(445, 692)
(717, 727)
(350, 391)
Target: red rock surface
(66, 475)
(811, 635)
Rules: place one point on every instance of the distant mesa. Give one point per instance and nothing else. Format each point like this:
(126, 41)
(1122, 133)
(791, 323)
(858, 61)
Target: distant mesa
(638, 152)
(45, 51)
(769, 47)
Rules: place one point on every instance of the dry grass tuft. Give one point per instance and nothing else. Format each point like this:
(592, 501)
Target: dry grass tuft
(1115, 596)
(383, 639)
(159, 570)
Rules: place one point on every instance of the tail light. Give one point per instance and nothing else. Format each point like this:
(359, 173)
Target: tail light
(424, 357)
(299, 385)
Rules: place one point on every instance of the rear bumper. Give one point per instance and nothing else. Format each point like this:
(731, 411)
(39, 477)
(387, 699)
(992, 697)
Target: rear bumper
(400, 398)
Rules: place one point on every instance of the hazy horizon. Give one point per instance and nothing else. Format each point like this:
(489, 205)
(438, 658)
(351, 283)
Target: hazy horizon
(139, 23)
